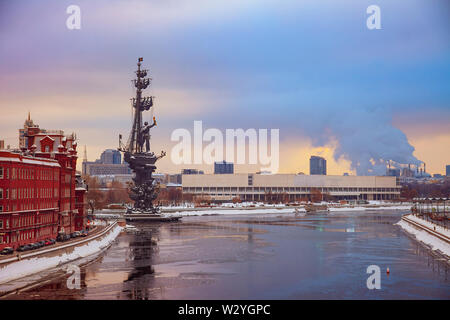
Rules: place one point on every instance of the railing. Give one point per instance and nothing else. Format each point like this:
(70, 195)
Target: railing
(427, 229)
(435, 210)
(445, 223)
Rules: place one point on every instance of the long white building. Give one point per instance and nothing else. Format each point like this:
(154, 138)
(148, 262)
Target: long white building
(255, 187)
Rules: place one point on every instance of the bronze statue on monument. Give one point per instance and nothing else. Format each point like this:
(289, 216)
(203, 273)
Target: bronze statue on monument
(145, 134)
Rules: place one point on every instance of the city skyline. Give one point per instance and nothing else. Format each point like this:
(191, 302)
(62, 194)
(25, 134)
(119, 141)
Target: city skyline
(210, 168)
(316, 73)
(227, 150)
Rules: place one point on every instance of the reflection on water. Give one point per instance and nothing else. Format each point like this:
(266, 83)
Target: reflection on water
(258, 257)
(140, 253)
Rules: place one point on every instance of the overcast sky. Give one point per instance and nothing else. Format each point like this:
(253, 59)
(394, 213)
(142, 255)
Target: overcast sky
(310, 68)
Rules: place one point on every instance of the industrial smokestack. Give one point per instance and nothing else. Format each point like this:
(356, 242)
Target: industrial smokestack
(424, 168)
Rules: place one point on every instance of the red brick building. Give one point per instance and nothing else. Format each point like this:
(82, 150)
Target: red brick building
(40, 195)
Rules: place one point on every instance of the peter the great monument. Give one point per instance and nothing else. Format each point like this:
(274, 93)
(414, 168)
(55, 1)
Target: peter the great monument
(144, 189)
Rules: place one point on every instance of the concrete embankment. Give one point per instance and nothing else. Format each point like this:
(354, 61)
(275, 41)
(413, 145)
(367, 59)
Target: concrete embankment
(433, 235)
(27, 263)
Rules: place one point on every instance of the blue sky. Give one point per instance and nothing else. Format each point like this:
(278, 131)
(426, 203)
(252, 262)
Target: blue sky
(310, 68)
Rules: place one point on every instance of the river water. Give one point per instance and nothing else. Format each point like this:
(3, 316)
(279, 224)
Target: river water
(320, 256)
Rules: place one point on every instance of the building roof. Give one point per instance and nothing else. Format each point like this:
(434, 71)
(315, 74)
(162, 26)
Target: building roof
(16, 157)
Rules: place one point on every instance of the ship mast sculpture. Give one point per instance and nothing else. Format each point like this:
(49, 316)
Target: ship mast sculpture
(144, 189)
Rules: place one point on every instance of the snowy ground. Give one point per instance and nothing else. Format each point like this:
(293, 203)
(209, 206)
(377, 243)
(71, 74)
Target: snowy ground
(380, 205)
(425, 237)
(386, 207)
(105, 215)
(190, 205)
(435, 227)
(262, 208)
(283, 210)
(26, 267)
(219, 211)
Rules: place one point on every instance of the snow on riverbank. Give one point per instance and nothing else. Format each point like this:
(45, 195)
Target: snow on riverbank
(399, 207)
(106, 215)
(425, 237)
(237, 211)
(30, 266)
(227, 205)
(435, 227)
(262, 208)
(282, 210)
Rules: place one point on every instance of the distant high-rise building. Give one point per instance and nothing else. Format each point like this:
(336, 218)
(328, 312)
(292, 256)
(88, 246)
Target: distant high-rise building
(98, 169)
(223, 167)
(2, 144)
(317, 165)
(110, 163)
(447, 170)
(111, 156)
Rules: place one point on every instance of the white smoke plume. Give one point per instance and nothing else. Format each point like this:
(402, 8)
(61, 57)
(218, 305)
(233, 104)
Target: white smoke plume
(366, 138)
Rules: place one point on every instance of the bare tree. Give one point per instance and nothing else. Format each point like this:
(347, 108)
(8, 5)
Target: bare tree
(94, 193)
(316, 195)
